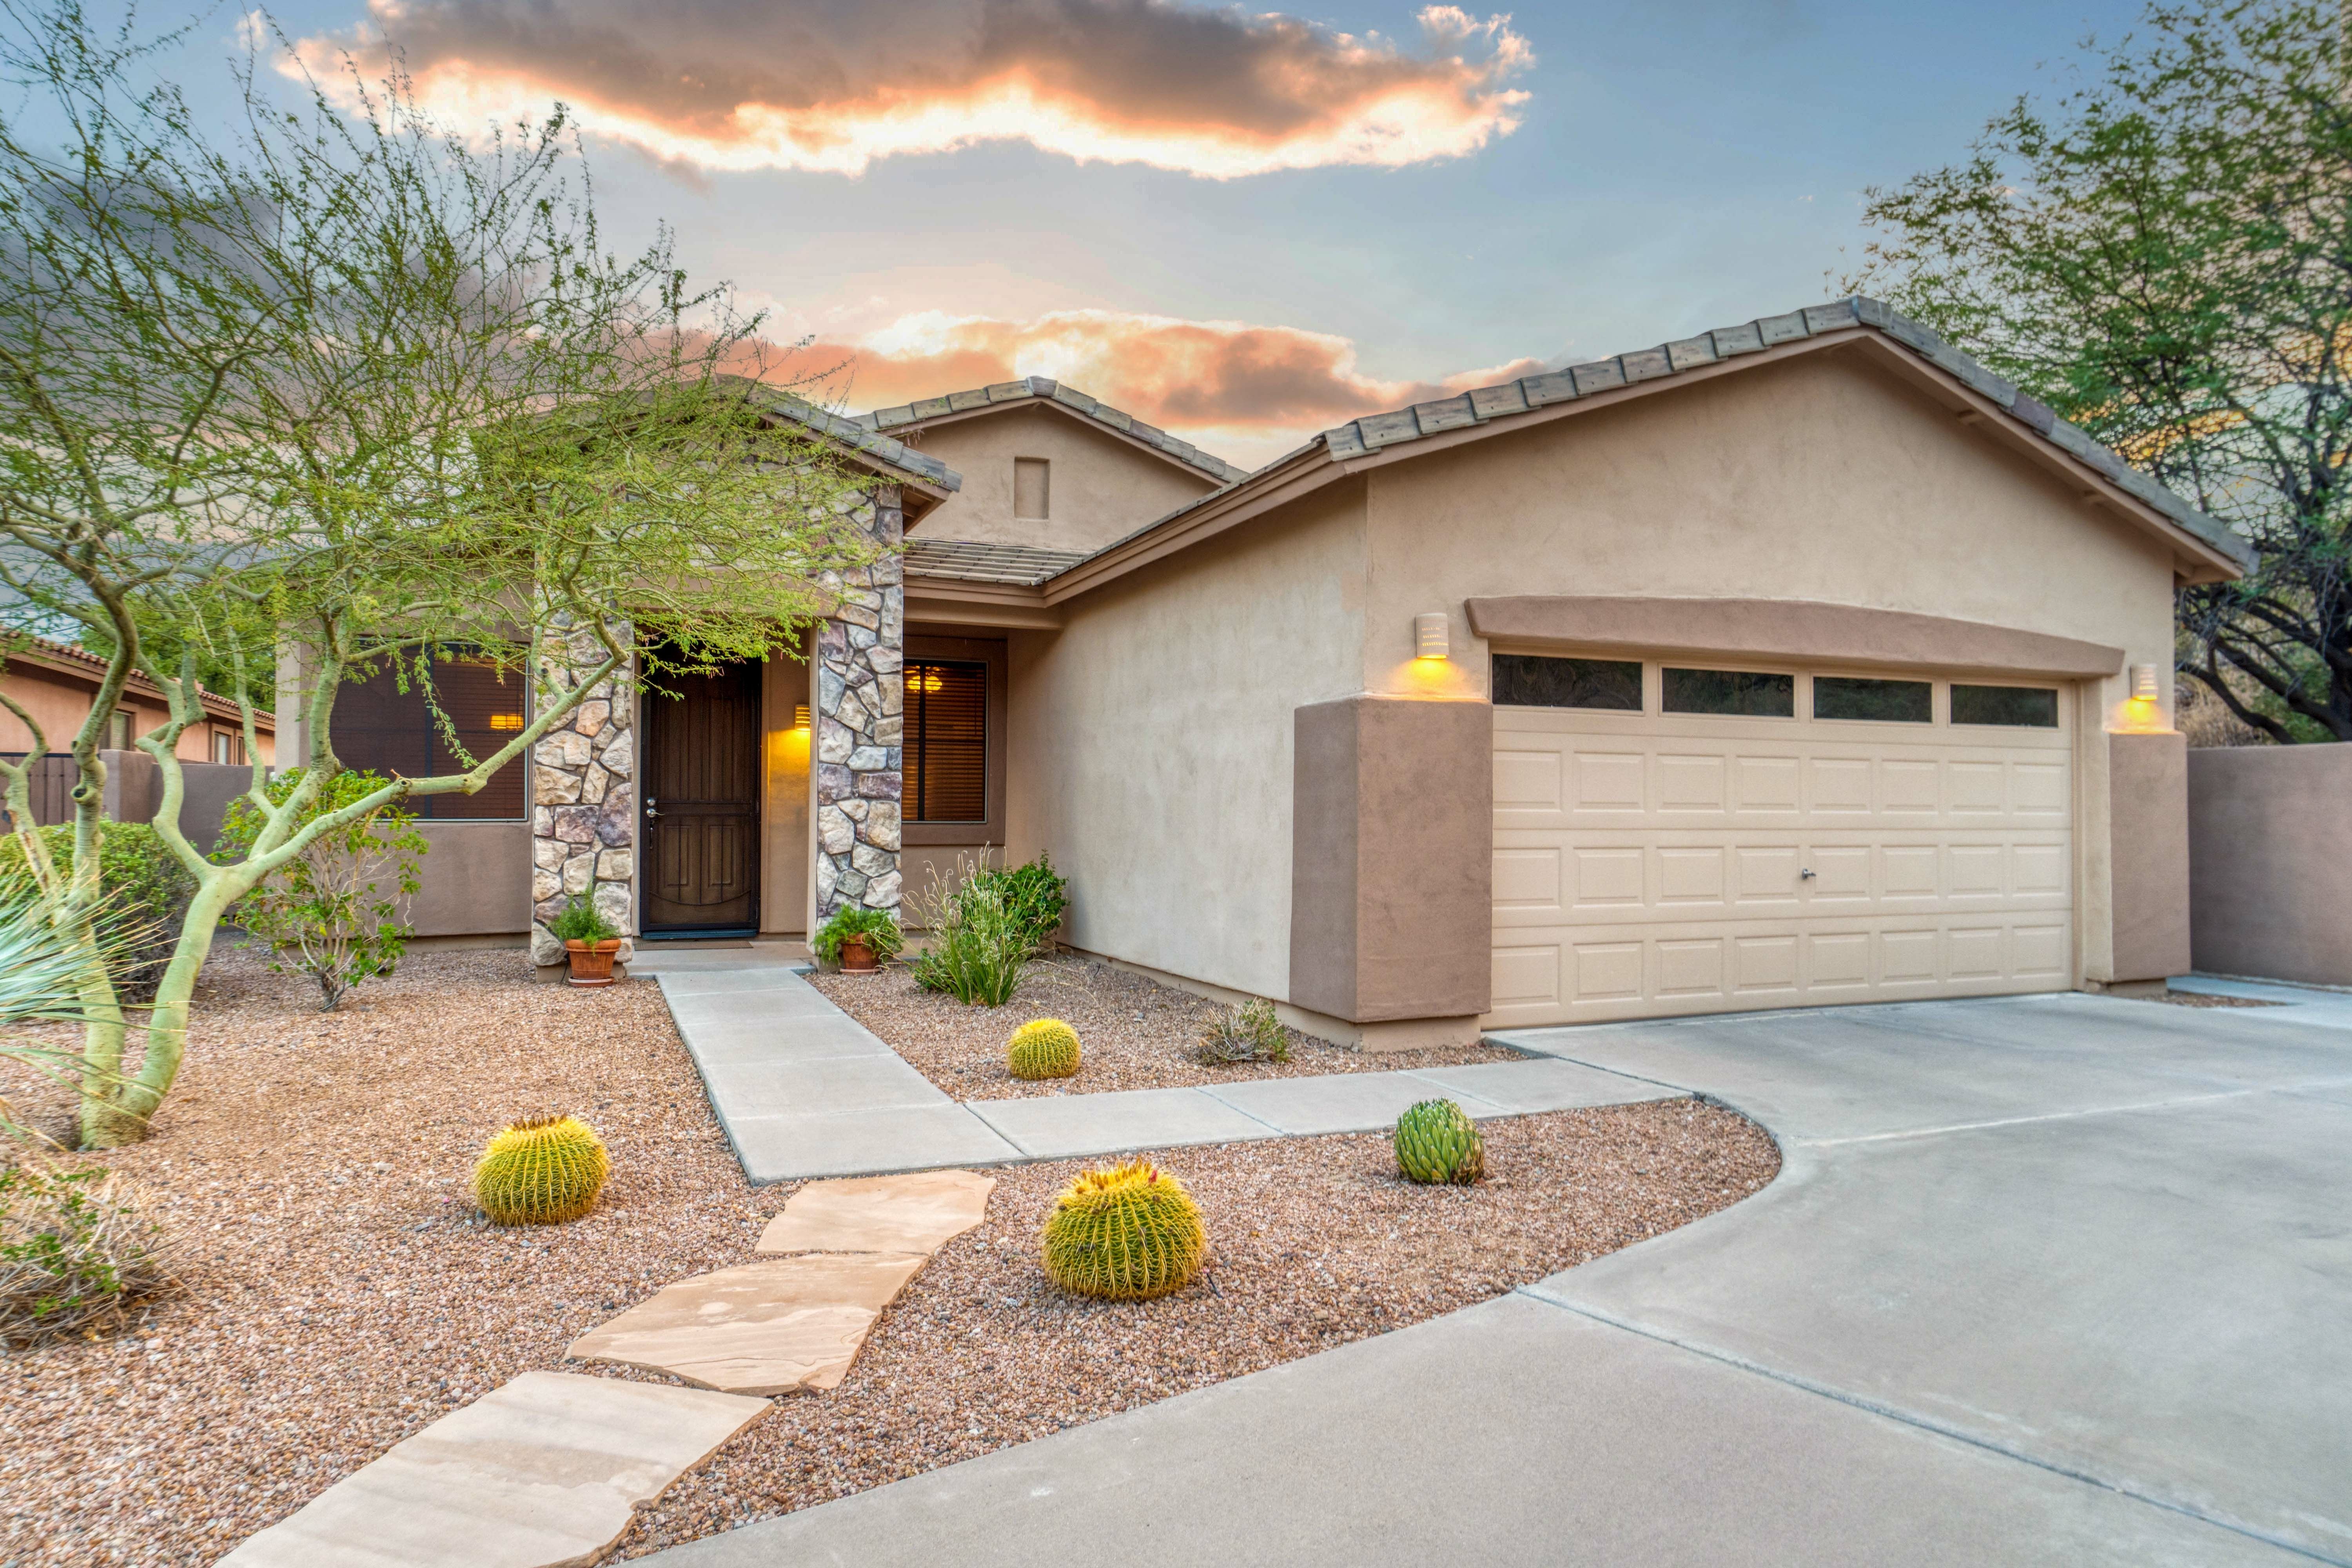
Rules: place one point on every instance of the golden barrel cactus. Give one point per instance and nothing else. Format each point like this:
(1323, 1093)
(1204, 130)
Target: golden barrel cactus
(1046, 1047)
(542, 1170)
(1125, 1234)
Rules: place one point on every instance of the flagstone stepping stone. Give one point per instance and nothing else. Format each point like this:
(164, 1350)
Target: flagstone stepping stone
(545, 1470)
(770, 1327)
(916, 1213)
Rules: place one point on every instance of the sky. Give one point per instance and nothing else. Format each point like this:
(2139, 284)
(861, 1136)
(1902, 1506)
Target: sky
(1241, 226)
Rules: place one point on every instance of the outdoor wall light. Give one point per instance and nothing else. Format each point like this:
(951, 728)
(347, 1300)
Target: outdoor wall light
(800, 717)
(2143, 682)
(1429, 636)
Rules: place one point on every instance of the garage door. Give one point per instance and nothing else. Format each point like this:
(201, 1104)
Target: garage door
(1677, 838)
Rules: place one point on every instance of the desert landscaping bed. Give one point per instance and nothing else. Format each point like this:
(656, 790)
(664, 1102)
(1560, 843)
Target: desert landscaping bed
(340, 1293)
(1135, 1033)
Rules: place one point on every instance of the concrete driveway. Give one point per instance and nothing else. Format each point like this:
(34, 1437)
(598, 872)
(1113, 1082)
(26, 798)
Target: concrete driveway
(2061, 1279)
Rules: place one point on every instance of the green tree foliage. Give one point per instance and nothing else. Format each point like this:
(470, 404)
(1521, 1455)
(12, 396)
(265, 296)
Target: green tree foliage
(2163, 254)
(334, 911)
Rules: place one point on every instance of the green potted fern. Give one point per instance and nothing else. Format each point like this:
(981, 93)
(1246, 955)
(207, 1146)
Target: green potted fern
(858, 940)
(589, 939)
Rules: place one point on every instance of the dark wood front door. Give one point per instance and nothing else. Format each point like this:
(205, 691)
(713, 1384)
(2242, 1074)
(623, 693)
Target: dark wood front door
(702, 804)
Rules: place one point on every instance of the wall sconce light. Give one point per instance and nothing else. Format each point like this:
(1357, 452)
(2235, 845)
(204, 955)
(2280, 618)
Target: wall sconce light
(1429, 636)
(2143, 683)
(800, 717)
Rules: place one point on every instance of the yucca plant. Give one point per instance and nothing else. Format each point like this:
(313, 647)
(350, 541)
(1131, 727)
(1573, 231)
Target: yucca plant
(1437, 1141)
(1125, 1234)
(1043, 1048)
(1249, 1033)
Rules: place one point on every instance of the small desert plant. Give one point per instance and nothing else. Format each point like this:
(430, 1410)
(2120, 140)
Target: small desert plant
(74, 1252)
(1044, 1047)
(1249, 1033)
(1035, 899)
(878, 927)
(1125, 1234)
(542, 1170)
(977, 948)
(146, 891)
(582, 921)
(320, 914)
(1437, 1141)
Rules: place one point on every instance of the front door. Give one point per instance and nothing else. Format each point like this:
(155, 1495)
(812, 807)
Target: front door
(702, 804)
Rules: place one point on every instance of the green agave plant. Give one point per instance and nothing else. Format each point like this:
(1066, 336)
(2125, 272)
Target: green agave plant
(1437, 1141)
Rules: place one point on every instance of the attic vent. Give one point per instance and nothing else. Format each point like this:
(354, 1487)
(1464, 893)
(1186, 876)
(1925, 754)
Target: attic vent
(1030, 476)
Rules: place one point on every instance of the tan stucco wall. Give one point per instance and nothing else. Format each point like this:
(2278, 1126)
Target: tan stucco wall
(1151, 741)
(786, 892)
(2148, 786)
(1103, 487)
(2269, 841)
(58, 703)
(477, 879)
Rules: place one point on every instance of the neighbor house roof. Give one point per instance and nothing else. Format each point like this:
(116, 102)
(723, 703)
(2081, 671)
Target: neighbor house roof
(1038, 389)
(2217, 550)
(1023, 565)
(43, 653)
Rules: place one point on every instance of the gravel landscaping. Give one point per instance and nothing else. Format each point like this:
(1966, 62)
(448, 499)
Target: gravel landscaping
(340, 1293)
(1135, 1032)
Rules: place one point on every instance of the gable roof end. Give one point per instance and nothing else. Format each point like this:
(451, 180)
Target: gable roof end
(1038, 388)
(859, 438)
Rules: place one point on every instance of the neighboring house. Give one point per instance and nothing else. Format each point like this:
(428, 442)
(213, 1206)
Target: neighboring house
(56, 683)
(1799, 662)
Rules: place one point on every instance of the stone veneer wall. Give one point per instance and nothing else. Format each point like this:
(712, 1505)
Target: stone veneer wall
(583, 819)
(860, 702)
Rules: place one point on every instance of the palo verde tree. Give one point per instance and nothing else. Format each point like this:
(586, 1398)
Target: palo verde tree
(333, 381)
(2164, 255)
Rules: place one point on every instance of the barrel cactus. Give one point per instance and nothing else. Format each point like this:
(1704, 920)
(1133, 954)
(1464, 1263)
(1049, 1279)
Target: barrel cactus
(1046, 1047)
(542, 1170)
(1437, 1141)
(1125, 1234)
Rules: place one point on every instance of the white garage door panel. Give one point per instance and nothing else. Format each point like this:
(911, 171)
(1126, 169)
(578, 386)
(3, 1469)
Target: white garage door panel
(1647, 865)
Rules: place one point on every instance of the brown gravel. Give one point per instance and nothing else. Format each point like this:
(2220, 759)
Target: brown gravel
(2199, 999)
(341, 1295)
(1134, 1033)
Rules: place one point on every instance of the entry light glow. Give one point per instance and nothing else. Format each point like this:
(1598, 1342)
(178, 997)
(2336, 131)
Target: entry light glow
(506, 721)
(1429, 636)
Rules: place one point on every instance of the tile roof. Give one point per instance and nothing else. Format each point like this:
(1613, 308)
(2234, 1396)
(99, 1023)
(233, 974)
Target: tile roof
(1070, 398)
(1023, 565)
(15, 642)
(1378, 432)
(857, 437)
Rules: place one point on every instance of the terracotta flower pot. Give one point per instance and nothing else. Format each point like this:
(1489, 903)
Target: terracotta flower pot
(857, 957)
(592, 961)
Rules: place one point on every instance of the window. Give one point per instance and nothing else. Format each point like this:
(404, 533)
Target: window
(946, 748)
(118, 731)
(2019, 707)
(380, 729)
(1888, 701)
(1522, 681)
(1733, 691)
(1032, 479)
(228, 746)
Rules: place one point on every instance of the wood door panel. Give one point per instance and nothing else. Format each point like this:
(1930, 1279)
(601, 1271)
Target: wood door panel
(701, 834)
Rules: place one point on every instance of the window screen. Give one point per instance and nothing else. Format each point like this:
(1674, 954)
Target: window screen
(1734, 691)
(1889, 701)
(380, 729)
(2020, 707)
(1524, 681)
(946, 747)
(1032, 486)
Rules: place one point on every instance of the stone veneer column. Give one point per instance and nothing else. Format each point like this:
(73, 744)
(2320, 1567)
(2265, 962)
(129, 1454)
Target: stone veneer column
(583, 819)
(860, 701)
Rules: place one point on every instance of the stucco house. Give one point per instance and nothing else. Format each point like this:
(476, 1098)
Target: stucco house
(1799, 662)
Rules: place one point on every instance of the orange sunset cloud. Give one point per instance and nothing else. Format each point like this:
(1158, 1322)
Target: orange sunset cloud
(831, 85)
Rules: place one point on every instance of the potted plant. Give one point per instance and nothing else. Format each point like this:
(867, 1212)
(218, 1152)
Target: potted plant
(589, 939)
(858, 940)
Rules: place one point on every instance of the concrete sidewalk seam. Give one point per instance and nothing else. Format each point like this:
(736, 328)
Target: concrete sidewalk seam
(2304, 1087)
(1929, 1423)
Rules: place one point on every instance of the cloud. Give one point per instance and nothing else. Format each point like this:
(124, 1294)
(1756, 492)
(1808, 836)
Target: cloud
(831, 85)
(1245, 393)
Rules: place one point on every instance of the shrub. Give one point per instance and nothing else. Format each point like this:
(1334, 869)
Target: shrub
(1249, 1033)
(1044, 1047)
(1034, 899)
(319, 913)
(582, 921)
(976, 949)
(147, 891)
(74, 1252)
(878, 927)
(1437, 1141)
(1125, 1234)
(543, 1171)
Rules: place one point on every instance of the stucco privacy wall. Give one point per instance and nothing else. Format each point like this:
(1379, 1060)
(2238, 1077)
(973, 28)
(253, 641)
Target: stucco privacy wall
(1102, 489)
(2147, 788)
(1151, 741)
(2269, 841)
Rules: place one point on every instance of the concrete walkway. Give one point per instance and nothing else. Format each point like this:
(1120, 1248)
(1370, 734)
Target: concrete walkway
(804, 1090)
(2048, 1280)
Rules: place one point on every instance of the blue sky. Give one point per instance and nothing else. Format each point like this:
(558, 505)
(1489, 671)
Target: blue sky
(1668, 168)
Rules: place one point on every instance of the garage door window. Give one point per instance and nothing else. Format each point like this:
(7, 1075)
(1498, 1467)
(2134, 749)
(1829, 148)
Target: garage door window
(2017, 707)
(1884, 701)
(1738, 692)
(1522, 681)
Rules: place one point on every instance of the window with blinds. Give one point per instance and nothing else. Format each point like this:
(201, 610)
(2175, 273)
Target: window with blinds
(945, 755)
(380, 729)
